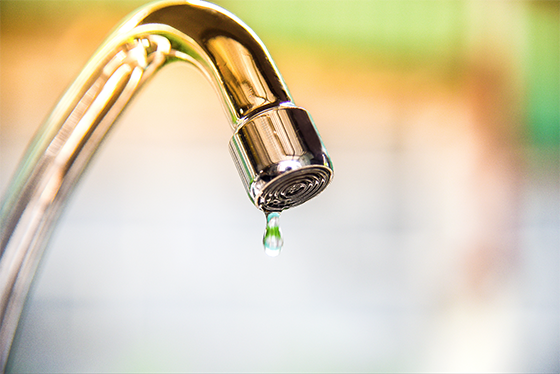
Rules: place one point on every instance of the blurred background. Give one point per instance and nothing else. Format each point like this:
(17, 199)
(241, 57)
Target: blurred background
(435, 249)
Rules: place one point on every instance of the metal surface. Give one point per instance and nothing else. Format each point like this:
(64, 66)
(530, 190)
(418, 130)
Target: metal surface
(275, 146)
(280, 158)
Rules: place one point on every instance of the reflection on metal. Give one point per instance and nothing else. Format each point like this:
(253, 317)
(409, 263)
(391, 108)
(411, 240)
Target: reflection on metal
(242, 78)
(276, 148)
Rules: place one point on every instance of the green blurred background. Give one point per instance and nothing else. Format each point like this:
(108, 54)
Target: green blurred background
(442, 38)
(434, 250)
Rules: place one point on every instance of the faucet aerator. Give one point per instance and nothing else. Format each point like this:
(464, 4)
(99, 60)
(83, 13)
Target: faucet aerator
(280, 158)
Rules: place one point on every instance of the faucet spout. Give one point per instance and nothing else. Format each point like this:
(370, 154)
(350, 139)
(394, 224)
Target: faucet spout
(276, 147)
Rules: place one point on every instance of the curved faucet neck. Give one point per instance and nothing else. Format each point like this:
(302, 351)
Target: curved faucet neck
(224, 49)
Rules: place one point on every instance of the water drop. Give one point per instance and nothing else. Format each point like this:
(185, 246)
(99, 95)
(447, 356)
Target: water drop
(272, 239)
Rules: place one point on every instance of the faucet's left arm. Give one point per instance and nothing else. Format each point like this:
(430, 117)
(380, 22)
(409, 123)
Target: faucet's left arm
(224, 49)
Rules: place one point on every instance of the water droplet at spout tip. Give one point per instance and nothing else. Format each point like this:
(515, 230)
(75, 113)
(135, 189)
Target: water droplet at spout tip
(272, 242)
(272, 252)
(272, 239)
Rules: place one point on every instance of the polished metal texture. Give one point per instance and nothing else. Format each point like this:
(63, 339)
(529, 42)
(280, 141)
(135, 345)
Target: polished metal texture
(275, 145)
(280, 157)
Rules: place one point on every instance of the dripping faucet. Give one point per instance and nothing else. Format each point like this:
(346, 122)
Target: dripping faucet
(275, 145)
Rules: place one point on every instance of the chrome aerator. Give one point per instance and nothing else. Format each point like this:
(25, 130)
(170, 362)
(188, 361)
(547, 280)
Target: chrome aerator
(280, 158)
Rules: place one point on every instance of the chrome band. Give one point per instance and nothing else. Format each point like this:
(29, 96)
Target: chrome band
(280, 158)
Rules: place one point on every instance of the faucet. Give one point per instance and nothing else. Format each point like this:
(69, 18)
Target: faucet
(275, 146)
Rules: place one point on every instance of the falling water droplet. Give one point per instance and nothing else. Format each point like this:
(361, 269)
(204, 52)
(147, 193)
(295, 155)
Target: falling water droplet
(272, 239)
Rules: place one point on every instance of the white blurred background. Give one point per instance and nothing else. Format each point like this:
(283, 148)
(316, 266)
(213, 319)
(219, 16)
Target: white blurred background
(435, 249)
